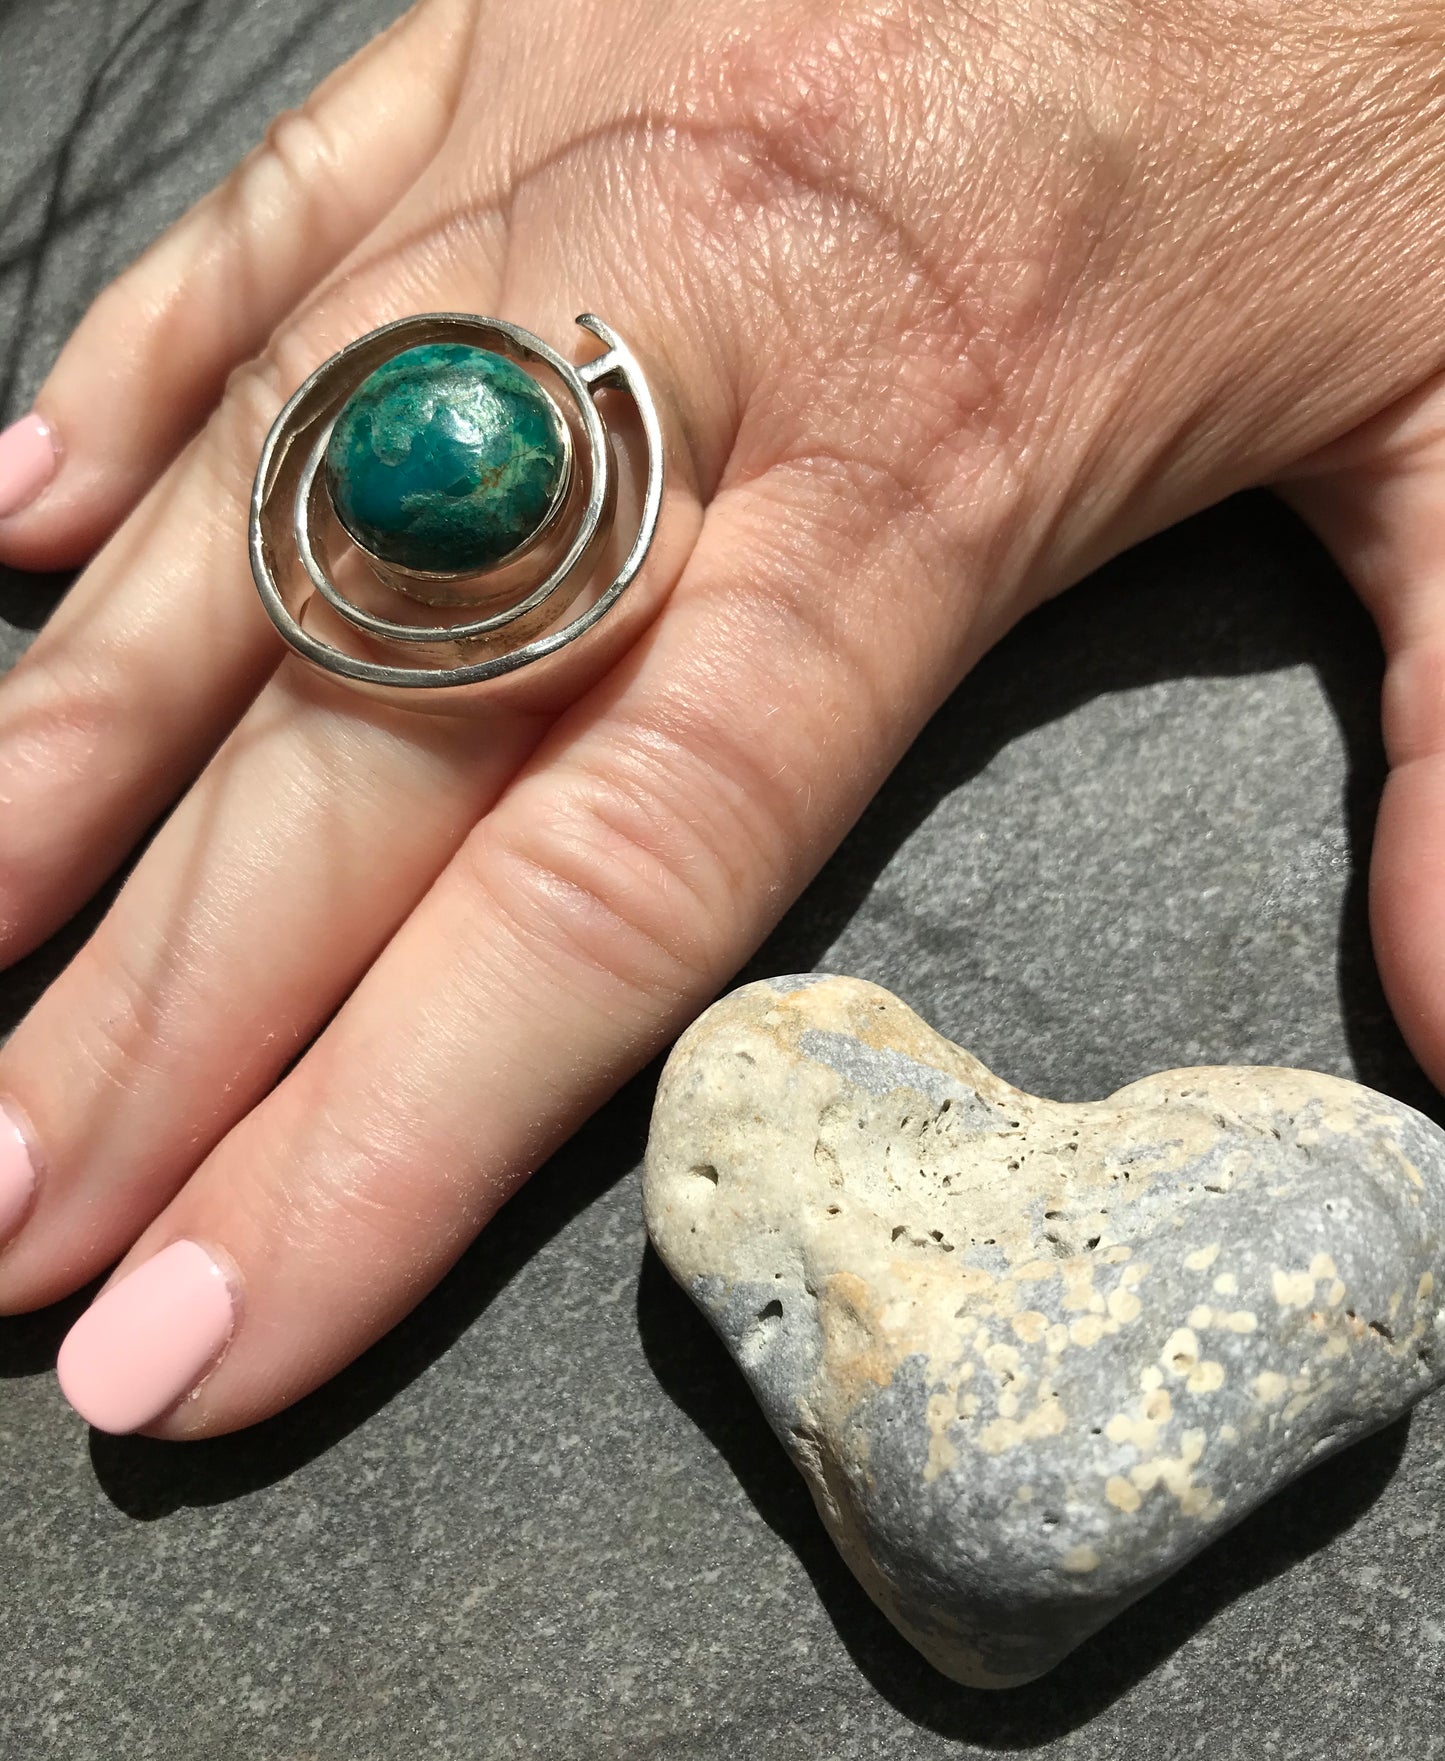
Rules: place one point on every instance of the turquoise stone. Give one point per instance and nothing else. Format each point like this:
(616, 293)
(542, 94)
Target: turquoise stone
(447, 458)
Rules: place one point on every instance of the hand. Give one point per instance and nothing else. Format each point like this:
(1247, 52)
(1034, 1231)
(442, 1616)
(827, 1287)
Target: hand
(952, 301)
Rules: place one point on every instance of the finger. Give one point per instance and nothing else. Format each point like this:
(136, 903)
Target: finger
(149, 360)
(646, 847)
(1377, 499)
(309, 838)
(158, 648)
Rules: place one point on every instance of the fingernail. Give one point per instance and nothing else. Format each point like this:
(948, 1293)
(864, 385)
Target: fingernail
(17, 1175)
(146, 1341)
(28, 459)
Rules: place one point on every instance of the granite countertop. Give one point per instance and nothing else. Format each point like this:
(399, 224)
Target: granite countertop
(543, 1517)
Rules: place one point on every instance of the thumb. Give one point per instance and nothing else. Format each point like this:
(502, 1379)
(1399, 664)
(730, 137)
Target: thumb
(1377, 500)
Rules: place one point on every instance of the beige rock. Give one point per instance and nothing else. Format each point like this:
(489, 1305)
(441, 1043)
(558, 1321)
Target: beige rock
(1029, 1356)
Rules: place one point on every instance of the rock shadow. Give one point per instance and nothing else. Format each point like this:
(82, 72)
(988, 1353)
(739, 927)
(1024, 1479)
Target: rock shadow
(1240, 589)
(695, 1370)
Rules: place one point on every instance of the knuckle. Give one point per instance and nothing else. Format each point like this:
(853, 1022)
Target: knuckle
(66, 711)
(815, 78)
(254, 394)
(338, 1174)
(298, 145)
(66, 695)
(620, 878)
(132, 1029)
(793, 121)
(808, 159)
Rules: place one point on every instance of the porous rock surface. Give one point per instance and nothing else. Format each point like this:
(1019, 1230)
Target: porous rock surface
(1030, 1356)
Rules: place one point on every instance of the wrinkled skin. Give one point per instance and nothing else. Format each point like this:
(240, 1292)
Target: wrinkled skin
(949, 301)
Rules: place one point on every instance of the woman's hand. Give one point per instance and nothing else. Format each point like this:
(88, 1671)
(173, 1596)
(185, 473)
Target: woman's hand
(951, 301)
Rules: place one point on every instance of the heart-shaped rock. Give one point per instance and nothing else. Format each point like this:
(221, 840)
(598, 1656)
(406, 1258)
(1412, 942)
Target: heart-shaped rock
(1031, 1357)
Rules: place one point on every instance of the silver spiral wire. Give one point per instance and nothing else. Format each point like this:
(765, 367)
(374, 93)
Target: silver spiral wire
(293, 536)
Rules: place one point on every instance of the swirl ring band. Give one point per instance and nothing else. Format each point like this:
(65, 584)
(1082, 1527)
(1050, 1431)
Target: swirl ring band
(357, 606)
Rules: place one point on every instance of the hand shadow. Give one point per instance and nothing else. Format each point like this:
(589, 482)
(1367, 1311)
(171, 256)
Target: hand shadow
(1241, 589)
(1237, 590)
(28, 601)
(148, 1479)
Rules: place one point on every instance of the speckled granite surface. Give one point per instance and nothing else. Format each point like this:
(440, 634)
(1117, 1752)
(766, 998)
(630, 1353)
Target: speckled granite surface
(544, 1518)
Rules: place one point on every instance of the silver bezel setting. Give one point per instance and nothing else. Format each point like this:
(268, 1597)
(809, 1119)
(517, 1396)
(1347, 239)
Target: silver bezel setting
(295, 533)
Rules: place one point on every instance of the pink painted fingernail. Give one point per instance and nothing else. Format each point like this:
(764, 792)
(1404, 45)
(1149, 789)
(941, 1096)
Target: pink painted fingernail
(28, 459)
(17, 1175)
(146, 1341)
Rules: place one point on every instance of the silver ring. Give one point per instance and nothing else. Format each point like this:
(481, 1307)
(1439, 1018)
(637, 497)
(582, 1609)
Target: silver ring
(349, 598)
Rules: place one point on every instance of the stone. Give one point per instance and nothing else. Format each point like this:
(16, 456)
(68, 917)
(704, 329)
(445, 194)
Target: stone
(447, 458)
(1033, 1356)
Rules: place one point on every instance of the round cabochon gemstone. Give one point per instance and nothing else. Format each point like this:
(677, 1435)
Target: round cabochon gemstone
(447, 459)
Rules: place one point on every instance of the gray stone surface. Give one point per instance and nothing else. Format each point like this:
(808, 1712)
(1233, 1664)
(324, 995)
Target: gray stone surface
(1031, 1357)
(545, 1517)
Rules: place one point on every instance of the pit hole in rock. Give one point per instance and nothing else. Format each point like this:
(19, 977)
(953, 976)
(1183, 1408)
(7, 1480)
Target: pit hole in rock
(899, 1231)
(759, 1335)
(706, 1172)
(1386, 1333)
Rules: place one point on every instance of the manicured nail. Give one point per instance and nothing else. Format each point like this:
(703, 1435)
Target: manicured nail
(17, 1175)
(146, 1341)
(28, 458)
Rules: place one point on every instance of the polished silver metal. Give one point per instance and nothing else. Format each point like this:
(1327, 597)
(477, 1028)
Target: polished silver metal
(413, 632)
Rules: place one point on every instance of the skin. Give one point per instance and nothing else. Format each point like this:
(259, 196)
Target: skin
(950, 302)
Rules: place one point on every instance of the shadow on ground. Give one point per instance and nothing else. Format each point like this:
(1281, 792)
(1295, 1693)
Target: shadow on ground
(1238, 590)
(694, 1369)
